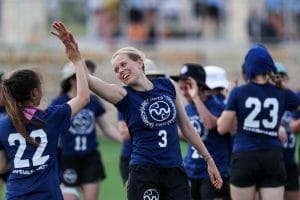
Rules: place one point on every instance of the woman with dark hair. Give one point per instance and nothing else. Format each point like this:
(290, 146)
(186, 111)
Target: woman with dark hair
(30, 135)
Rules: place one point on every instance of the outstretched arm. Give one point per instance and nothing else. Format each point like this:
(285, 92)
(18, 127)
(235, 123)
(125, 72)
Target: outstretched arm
(83, 95)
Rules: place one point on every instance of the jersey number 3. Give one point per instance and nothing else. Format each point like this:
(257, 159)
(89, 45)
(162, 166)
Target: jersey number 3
(37, 158)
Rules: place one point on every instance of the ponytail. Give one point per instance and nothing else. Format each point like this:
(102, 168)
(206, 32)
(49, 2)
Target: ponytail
(14, 106)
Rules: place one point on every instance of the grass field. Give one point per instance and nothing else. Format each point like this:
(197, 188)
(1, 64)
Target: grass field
(112, 187)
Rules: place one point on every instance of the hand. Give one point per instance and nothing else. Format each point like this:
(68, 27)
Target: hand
(68, 40)
(192, 87)
(214, 174)
(283, 137)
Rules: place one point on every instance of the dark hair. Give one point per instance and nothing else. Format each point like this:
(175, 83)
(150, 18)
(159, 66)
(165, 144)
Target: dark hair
(65, 84)
(90, 65)
(16, 94)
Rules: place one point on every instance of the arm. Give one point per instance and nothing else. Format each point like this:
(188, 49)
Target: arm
(209, 120)
(112, 93)
(123, 129)
(193, 138)
(83, 95)
(108, 129)
(226, 122)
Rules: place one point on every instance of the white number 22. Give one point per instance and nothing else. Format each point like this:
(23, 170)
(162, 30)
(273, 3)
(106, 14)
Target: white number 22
(37, 158)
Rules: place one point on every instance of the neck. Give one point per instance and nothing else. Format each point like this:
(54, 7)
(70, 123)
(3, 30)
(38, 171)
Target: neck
(143, 85)
(260, 79)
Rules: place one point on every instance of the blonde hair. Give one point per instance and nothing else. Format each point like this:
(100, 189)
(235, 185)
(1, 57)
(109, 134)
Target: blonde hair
(131, 52)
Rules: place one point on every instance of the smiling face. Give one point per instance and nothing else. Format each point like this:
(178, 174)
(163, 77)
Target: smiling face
(127, 70)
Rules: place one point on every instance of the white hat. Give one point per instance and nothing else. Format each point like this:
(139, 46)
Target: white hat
(68, 71)
(215, 77)
(151, 68)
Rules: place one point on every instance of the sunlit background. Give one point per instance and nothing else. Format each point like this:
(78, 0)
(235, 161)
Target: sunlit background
(171, 32)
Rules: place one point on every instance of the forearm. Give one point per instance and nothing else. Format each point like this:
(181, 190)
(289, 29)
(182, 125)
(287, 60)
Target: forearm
(209, 120)
(110, 92)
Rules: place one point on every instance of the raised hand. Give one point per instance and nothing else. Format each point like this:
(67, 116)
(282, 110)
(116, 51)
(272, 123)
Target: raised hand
(68, 40)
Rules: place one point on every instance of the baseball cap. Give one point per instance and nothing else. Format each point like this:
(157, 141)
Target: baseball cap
(280, 69)
(68, 71)
(193, 70)
(258, 61)
(215, 77)
(151, 68)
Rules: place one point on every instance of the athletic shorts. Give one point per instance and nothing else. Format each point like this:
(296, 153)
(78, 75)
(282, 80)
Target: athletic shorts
(4, 176)
(158, 183)
(203, 189)
(78, 170)
(124, 167)
(292, 183)
(264, 168)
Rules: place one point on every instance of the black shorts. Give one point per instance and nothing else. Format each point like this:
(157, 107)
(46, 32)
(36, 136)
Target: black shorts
(263, 168)
(203, 189)
(124, 167)
(4, 176)
(200, 9)
(78, 170)
(292, 183)
(158, 183)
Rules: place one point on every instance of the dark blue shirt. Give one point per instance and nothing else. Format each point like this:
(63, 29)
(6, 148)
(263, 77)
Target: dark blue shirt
(259, 109)
(81, 138)
(216, 144)
(34, 169)
(151, 118)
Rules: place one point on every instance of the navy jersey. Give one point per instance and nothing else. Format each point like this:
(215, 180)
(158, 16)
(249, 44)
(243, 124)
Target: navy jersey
(259, 109)
(2, 112)
(151, 119)
(34, 169)
(216, 144)
(2, 115)
(126, 145)
(81, 138)
(290, 144)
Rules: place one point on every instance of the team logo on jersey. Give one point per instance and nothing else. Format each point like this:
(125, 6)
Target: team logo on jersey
(198, 126)
(158, 111)
(70, 176)
(151, 194)
(83, 122)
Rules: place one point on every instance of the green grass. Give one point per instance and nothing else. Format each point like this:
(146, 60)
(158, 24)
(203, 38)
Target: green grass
(112, 187)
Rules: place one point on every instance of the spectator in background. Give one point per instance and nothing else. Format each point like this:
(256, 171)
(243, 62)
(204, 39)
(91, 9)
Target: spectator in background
(104, 20)
(81, 162)
(292, 183)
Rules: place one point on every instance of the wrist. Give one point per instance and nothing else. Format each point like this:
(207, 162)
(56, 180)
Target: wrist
(207, 157)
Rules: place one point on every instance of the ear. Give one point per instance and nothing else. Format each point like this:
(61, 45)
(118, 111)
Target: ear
(35, 93)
